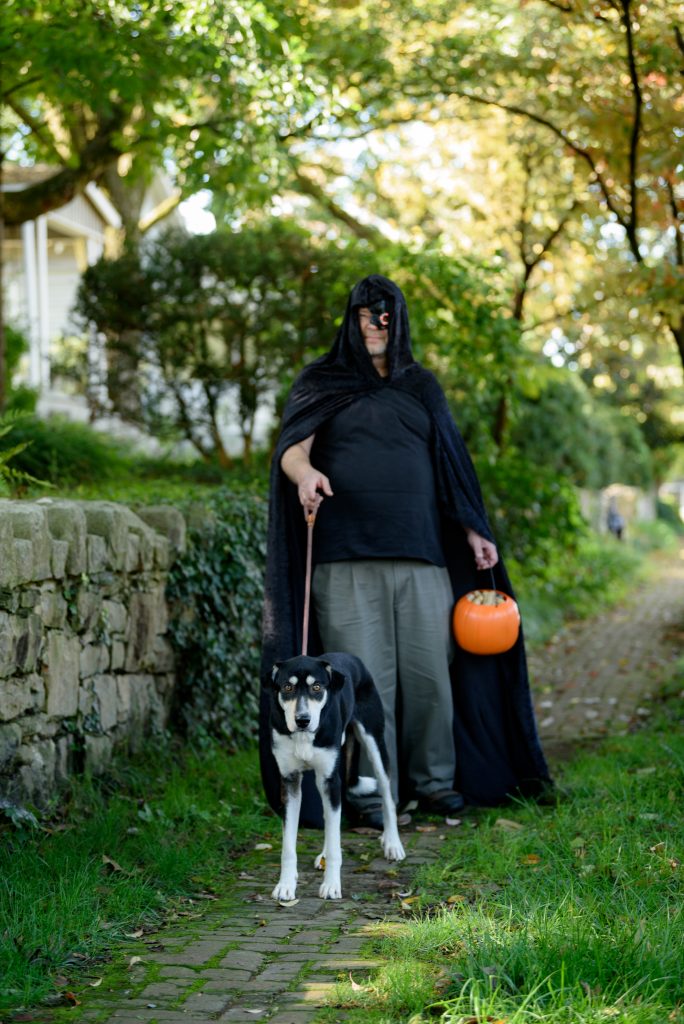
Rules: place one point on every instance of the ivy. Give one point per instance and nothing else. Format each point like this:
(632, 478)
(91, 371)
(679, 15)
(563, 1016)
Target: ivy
(215, 590)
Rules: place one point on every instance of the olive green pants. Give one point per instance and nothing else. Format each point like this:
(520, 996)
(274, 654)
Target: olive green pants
(395, 616)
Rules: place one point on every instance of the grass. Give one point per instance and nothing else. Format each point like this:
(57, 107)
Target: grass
(555, 914)
(143, 846)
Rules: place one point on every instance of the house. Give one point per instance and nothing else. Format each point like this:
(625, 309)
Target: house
(43, 262)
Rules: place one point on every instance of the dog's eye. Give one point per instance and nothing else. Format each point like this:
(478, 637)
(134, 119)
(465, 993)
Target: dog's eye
(288, 688)
(316, 688)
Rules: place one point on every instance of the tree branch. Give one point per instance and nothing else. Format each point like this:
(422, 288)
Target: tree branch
(677, 222)
(631, 227)
(580, 151)
(60, 188)
(317, 192)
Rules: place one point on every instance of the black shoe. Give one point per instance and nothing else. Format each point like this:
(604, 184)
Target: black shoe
(445, 803)
(367, 819)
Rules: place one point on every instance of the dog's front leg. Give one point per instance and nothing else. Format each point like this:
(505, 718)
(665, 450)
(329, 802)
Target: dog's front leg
(287, 884)
(331, 796)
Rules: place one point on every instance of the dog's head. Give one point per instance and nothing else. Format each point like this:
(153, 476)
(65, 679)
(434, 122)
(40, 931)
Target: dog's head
(302, 688)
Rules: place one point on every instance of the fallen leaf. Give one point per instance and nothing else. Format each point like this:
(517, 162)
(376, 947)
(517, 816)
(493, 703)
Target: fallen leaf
(288, 903)
(426, 828)
(111, 863)
(453, 822)
(354, 984)
(531, 858)
(71, 998)
(134, 935)
(508, 825)
(96, 983)
(456, 898)
(263, 846)
(134, 960)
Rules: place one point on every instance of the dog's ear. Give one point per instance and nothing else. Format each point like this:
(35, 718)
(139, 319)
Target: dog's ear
(275, 670)
(337, 679)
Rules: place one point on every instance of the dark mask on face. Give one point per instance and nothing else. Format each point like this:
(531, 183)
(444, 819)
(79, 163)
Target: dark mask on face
(380, 316)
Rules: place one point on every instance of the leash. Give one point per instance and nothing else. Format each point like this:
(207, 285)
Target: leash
(310, 520)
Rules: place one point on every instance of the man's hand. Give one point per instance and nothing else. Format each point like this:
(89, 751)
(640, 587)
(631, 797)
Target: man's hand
(311, 482)
(486, 555)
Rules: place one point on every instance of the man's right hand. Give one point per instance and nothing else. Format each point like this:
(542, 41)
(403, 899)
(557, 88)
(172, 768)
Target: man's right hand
(309, 486)
(309, 481)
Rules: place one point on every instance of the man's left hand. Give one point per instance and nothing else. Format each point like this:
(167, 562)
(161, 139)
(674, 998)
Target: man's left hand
(486, 555)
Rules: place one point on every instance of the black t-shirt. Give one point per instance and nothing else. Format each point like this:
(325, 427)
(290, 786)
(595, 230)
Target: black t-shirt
(376, 453)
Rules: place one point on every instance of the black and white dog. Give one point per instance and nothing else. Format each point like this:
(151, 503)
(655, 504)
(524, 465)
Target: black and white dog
(317, 704)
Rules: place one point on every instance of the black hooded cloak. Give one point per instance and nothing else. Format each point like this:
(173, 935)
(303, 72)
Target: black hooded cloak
(497, 748)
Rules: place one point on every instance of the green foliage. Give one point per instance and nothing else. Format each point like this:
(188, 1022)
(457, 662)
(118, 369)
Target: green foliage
(62, 451)
(534, 511)
(16, 476)
(205, 89)
(216, 595)
(170, 822)
(461, 332)
(20, 398)
(561, 426)
(573, 583)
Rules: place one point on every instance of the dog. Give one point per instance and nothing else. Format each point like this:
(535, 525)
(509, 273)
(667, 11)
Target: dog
(316, 705)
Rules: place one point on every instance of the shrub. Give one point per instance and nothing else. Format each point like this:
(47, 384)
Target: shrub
(64, 452)
(216, 593)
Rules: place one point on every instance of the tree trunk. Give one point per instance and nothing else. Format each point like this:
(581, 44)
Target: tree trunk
(678, 335)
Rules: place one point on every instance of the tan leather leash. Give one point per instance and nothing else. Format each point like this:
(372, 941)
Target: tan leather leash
(310, 520)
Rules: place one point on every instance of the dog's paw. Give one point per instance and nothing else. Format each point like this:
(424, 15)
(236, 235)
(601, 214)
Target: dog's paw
(392, 848)
(319, 863)
(330, 890)
(285, 889)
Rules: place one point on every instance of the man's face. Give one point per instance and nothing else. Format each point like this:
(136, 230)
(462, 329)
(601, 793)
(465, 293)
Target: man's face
(375, 339)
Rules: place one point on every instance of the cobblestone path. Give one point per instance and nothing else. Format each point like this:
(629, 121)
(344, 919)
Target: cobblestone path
(252, 959)
(257, 960)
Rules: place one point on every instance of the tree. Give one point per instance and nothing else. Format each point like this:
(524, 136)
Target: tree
(602, 79)
(89, 87)
(218, 322)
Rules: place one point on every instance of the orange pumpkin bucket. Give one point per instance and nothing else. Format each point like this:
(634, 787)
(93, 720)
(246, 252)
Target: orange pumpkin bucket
(486, 622)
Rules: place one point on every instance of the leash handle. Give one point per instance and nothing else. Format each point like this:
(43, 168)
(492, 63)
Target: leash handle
(310, 520)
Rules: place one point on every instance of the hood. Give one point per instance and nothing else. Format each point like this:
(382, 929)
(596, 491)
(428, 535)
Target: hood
(349, 352)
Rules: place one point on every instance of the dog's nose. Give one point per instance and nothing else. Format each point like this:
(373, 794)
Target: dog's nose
(302, 721)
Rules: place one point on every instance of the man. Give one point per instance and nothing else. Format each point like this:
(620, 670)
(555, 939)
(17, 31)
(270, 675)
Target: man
(368, 441)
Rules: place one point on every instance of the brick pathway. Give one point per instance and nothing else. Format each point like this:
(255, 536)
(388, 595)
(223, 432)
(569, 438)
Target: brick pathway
(258, 960)
(252, 959)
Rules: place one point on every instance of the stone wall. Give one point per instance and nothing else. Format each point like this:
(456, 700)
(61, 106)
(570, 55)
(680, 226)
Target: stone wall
(85, 663)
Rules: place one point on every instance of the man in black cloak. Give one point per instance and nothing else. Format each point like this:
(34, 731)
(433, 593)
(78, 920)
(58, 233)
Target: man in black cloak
(370, 368)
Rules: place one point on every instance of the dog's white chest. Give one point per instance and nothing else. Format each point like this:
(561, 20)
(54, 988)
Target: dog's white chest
(297, 753)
